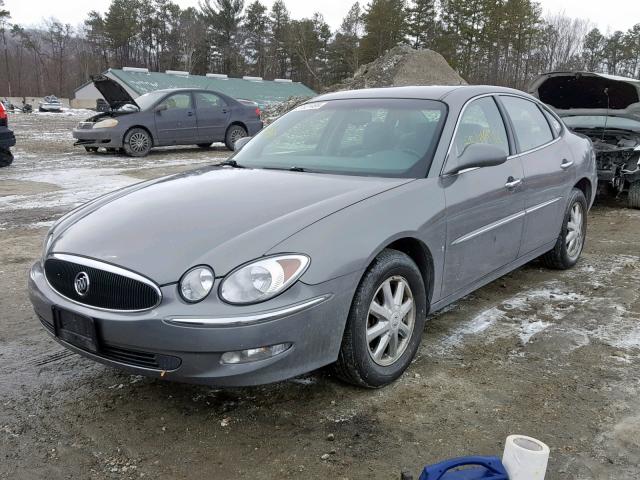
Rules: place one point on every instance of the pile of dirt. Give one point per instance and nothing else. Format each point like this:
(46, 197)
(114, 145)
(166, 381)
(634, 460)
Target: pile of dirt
(402, 66)
(271, 112)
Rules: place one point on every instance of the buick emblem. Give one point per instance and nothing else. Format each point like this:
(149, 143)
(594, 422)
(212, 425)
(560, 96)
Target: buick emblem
(81, 283)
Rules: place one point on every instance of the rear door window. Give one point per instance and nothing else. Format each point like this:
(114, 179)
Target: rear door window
(481, 122)
(208, 100)
(529, 124)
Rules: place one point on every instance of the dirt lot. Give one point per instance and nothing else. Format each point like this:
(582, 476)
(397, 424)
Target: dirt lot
(554, 355)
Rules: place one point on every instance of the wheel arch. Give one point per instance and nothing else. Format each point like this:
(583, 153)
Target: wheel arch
(236, 122)
(143, 127)
(420, 253)
(584, 185)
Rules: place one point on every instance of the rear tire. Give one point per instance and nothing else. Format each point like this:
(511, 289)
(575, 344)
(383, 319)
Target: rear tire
(380, 339)
(6, 158)
(634, 195)
(570, 242)
(137, 142)
(91, 149)
(205, 145)
(234, 132)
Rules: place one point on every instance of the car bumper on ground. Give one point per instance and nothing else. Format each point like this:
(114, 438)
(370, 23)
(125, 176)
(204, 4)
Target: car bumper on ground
(164, 344)
(97, 137)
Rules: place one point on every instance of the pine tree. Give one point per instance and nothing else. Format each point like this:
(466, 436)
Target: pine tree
(422, 23)
(385, 25)
(279, 51)
(257, 32)
(224, 19)
(345, 48)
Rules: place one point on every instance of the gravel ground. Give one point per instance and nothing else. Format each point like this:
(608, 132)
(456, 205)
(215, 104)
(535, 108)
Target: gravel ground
(554, 355)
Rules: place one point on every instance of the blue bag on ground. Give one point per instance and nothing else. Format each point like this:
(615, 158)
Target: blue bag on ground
(485, 468)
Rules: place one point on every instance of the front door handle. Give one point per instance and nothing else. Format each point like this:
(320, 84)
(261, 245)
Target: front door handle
(190, 114)
(565, 164)
(512, 183)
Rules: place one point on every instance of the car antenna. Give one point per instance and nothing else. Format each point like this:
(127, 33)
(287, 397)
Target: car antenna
(606, 118)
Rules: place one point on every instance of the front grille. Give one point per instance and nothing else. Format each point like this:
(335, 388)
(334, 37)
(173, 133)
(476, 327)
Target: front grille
(107, 290)
(136, 358)
(155, 361)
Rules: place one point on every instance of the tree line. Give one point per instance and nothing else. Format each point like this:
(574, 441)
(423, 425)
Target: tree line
(502, 42)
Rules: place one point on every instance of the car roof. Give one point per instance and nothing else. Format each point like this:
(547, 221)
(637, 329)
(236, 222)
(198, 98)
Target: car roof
(435, 92)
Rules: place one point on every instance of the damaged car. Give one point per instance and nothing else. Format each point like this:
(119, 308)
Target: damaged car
(183, 116)
(50, 103)
(606, 109)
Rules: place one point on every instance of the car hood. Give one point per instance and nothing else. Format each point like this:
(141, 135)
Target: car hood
(587, 93)
(114, 93)
(220, 217)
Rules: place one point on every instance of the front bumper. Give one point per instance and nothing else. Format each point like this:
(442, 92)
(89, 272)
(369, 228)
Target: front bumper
(314, 325)
(97, 137)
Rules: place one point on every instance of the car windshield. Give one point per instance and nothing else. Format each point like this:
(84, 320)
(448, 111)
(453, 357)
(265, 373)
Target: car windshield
(599, 121)
(375, 137)
(149, 99)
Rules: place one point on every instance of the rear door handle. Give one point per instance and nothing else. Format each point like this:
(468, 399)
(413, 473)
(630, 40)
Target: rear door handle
(190, 114)
(565, 164)
(512, 183)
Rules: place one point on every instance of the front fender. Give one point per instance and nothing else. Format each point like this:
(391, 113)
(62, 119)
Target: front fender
(350, 239)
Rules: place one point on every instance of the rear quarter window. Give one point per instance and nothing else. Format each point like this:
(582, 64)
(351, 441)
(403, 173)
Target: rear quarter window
(529, 124)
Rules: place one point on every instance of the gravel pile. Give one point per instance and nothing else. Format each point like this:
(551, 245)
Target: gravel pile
(400, 66)
(271, 112)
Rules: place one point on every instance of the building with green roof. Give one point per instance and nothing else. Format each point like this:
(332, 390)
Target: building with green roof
(138, 81)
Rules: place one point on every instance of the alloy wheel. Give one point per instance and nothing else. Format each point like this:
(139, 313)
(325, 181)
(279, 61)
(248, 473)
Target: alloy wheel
(390, 321)
(575, 237)
(139, 142)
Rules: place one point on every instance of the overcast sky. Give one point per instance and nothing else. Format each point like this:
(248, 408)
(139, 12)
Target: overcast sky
(607, 14)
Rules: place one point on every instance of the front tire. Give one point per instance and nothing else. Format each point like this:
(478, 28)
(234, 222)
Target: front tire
(234, 133)
(568, 247)
(385, 323)
(91, 149)
(633, 199)
(137, 142)
(205, 145)
(6, 158)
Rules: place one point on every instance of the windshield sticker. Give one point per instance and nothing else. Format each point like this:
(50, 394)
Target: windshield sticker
(310, 106)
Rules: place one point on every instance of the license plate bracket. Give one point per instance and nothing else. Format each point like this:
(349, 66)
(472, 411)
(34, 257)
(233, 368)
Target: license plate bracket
(78, 330)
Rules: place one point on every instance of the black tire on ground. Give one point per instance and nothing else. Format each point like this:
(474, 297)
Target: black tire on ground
(356, 364)
(234, 132)
(137, 142)
(564, 256)
(6, 158)
(634, 195)
(91, 149)
(205, 145)
(40, 109)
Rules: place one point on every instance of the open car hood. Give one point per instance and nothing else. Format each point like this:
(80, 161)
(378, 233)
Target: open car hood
(114, 94)
(587, 93)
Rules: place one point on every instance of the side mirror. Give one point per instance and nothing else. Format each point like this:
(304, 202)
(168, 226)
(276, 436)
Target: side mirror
(241, 142)
(476, 155)
(161, 108)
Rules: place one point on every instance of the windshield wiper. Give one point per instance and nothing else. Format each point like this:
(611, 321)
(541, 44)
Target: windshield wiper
(288, 169)
(231, 163)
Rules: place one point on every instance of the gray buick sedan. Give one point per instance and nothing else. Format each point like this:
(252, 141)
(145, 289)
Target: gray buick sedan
(326, 239)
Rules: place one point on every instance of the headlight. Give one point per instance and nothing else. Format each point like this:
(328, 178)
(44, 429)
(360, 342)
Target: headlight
(107, 123)
(263, 279)
(47, 245)
(196, 284)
